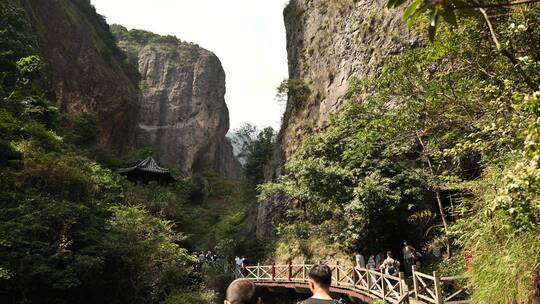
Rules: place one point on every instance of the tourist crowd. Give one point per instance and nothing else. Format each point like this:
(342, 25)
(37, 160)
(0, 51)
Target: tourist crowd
(243, 291)
(205, 258)
(388, 263)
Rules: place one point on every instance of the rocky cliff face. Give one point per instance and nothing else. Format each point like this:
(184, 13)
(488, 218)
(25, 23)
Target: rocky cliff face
(183, 112)
(88, 71)
(328, 43)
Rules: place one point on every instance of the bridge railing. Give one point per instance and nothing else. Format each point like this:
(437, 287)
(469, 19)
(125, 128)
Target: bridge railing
(437, 289)
(374, 284)
(276, 272)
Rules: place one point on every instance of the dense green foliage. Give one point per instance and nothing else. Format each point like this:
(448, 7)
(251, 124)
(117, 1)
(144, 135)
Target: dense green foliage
(133, 41)
(295, 93)
(141, 37)
(297, 89)
(454, 124)
(70, 230)
(444, 151)
(255, 151)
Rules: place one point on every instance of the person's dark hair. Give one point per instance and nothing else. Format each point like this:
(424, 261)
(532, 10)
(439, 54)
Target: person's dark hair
(242, 291)
(321, 274)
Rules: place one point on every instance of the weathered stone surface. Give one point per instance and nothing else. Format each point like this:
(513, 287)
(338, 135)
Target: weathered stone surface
(328, 43)
(270, 212)
(183, 112)
(87, 69)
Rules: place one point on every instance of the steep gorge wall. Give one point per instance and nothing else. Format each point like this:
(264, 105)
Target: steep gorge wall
(174, 101)
(328, 43)
(88, 72)
(183, 116)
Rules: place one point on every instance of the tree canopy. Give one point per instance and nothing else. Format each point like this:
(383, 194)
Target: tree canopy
(442, 151)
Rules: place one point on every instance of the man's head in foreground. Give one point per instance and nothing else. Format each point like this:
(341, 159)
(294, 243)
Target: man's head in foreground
(242, 291)
(320, 279)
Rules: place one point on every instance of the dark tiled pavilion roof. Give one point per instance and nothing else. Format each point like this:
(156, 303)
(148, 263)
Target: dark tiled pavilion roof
(149, 164)
(148, 171)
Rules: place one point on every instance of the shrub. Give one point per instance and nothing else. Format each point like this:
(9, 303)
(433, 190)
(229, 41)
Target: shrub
(143, 251)
(56, 175)
(41, 137)
(85, 130)
(297, 91)
(7, 152)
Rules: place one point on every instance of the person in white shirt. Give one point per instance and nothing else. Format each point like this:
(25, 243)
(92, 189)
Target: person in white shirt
(238, 263)
(360, 261)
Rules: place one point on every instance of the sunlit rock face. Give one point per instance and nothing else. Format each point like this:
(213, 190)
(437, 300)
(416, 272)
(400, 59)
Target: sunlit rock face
(183, 112)
(328, 43)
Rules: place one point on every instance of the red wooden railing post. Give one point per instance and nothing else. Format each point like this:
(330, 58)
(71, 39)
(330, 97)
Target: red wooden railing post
(290, 269)
(273, 271)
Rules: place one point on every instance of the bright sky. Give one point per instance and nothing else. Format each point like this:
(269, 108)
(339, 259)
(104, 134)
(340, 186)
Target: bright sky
(247, 35)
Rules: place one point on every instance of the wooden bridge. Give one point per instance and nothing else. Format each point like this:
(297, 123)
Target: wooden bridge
(365, 285)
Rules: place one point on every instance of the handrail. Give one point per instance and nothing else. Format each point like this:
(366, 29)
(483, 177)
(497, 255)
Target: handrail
(369, 282)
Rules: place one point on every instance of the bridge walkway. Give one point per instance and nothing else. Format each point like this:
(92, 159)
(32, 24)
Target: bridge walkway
(366, 285)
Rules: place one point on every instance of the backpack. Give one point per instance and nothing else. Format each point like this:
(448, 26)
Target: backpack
(393, 269)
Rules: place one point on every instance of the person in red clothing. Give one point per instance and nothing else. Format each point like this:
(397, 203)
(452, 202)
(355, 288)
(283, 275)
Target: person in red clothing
(320, 279)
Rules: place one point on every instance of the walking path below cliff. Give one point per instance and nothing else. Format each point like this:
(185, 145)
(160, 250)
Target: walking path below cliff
(364, 284)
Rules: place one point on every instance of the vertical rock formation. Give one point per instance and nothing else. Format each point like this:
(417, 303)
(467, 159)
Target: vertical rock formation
(183, 112)
(88, 71)
(328, 43)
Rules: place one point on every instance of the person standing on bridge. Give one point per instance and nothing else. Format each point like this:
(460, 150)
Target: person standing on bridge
(359, 260)
(242, 291)
(379, 258)
(320, 280)
(371, 264)
(239, 263)
(390, 266)
(408, 257)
